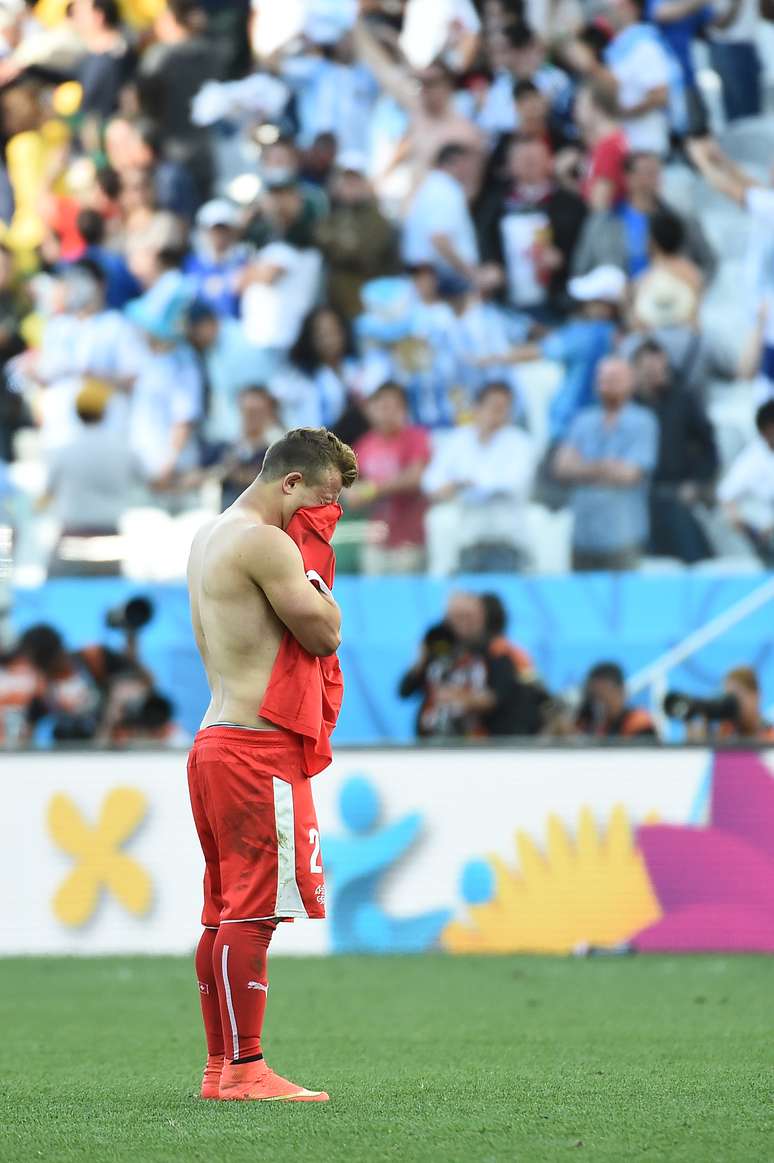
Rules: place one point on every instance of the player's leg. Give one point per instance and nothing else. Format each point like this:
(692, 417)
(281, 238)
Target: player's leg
(239, 960)
(258, 841)
(240, 957)
(205, 974)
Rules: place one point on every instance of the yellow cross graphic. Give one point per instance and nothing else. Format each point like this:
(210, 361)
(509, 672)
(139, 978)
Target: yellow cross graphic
(96, 851)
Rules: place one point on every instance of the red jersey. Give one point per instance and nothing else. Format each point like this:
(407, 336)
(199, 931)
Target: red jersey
(305, 692)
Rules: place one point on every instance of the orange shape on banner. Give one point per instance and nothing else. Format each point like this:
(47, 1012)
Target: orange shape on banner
(99, 863)
(593, 890)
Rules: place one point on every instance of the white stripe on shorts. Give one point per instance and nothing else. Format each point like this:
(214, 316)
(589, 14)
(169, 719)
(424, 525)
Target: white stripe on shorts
(229, 1003)
(289, 901)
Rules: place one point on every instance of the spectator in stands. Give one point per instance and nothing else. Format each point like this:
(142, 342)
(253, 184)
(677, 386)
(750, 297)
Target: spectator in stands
(171, 71)
(120, 283)
(668, 292)
(579, 344)
(218, 261)
(106, 67)
(747, 490)
(356, 240)
(533, 116)
(735, 58)
(427, 98)
(147, 230)
(227, 363)
(608, 458)
(596, 112)
(334, 93)
(90, 483)
(478, 484)
(687, 457)
(438, 228)
(622, 238)
(167, 395)
(473, 682)
(236, 465)
(13, 306)
(313, 390)
(518, 55)
(137, 145)
(604, 713)
(80, 339)
(532, 227)
(638, 69)
(392, 456)
(681, 25)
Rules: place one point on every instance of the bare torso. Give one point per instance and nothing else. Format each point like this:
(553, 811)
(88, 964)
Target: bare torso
(237, 632)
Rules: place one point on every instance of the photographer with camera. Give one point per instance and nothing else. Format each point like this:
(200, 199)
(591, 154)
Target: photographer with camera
(95, 694)
(474, 682)
(604, 713)
(735, 716)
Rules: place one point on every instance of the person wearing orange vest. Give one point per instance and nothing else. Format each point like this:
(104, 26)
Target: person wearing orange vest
(604, 713)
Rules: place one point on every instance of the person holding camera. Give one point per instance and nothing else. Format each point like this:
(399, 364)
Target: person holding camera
(733, 717)
(95, 694)
(473, 681)
(604, 712)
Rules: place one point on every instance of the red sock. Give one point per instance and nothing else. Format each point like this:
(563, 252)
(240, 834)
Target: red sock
(239, 960)
(208, 992)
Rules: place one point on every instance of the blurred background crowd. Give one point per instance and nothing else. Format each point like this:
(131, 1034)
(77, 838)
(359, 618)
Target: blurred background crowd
(519, 253)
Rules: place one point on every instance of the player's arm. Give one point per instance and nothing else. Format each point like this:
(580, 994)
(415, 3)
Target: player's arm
(273, 561)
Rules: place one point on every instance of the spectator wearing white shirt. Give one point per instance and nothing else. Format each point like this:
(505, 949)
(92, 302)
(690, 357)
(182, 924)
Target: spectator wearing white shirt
(438, 229)
(747, 491)
(82, 340)
(478, 483)
(167, 396)
(334, 94)
(639, 70)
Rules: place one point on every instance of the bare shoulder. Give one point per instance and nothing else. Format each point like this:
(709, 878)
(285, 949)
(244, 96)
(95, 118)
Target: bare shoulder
(266, 550)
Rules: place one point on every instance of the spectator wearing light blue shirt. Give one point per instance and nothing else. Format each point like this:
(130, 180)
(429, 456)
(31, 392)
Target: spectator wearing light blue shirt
(608, 456)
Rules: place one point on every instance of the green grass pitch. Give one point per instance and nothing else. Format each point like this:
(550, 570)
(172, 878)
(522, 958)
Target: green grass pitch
(485, 1060)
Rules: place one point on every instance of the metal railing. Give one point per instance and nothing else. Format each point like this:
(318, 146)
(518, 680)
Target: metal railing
(654, 675)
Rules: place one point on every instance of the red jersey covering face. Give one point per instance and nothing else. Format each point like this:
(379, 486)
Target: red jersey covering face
(304, 694)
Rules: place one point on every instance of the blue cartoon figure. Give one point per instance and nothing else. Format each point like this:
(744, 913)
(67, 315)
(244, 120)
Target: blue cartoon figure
(355, 863)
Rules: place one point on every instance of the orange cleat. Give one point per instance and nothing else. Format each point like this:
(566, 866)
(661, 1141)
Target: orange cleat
(254, 1080)
(212, 1073)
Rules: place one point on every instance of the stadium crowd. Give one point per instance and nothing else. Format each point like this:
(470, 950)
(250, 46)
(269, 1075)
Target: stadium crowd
(473, 238)
(520, 255)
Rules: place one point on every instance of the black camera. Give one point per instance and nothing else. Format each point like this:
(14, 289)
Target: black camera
(72, 728)
(439, 641)
(150, 713)
(718, 709)
(131, 616)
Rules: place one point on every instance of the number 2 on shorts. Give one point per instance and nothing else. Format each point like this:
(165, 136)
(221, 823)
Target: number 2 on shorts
(314, 859)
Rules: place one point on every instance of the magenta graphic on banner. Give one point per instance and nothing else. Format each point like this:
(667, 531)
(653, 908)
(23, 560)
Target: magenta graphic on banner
(715, 885)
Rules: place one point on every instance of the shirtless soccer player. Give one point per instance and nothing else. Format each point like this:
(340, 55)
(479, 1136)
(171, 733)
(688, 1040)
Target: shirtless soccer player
(251, 797)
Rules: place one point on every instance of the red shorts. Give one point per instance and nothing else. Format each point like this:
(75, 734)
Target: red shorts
(253, 810)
